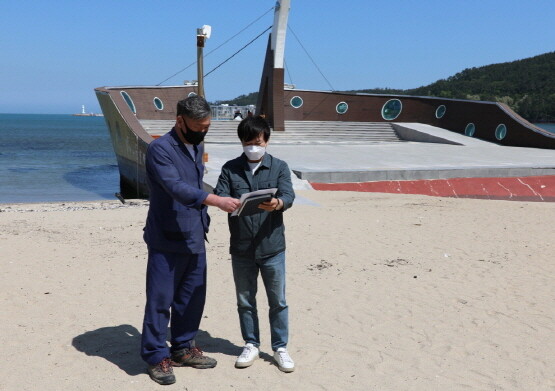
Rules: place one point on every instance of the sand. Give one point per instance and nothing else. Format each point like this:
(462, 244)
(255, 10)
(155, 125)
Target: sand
(386, 292)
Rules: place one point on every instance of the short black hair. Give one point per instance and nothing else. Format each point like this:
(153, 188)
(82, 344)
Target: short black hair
(251, 127)
(194, 107)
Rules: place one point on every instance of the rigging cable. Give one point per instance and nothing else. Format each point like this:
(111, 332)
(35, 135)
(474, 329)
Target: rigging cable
(287, 70)
(295, 35)
(213, 50)
(233, 55)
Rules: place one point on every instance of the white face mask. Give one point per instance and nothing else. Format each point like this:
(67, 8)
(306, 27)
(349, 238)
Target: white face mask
(254, 152)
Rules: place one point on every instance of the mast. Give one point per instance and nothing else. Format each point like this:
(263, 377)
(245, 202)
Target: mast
(279, 30)
(270, 93)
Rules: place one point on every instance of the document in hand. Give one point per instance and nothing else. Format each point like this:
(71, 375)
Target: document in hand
(250, 202)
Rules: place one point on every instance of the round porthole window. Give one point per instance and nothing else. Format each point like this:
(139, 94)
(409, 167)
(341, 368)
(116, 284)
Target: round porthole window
(440, 111)
(191, 94)
(296, 102)
(470, 129)
(158, 103)
(391, 109)
(500, 132)
(342, 107)
(129, 101)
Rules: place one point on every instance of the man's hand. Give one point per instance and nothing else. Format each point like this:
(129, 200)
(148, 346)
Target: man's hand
(227, 204)
(273, 204)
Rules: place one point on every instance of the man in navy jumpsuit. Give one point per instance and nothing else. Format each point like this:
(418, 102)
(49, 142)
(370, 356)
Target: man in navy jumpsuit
(175, 232)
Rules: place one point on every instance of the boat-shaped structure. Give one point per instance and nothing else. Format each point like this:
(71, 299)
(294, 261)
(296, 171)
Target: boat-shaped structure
(135, 115)
(126, 110)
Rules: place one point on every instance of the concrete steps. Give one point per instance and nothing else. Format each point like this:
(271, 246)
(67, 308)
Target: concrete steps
(296, 132)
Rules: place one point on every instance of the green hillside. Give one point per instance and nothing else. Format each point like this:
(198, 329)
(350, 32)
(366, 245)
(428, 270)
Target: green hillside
(241, 100)
(527, 86)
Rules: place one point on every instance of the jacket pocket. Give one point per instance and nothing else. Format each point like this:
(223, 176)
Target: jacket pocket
(179, 225)
(269, 184)
(240, 188)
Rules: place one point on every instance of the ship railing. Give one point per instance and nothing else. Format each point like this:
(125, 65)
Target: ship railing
(229, 112)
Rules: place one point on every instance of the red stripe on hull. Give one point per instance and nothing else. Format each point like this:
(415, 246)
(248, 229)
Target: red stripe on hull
(534, 188)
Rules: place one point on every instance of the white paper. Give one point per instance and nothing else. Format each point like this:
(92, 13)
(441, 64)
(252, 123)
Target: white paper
(271, 191)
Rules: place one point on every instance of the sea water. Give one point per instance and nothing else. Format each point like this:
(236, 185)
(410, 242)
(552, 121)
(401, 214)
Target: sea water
(47, 158)
(548, 127)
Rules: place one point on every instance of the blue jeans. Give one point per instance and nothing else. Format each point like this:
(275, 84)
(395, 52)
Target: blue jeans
(245, 274)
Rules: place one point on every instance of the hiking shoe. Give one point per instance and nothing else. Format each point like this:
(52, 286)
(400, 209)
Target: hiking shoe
(192, 357)
(283, 360)
(162, 373)
(247, 357)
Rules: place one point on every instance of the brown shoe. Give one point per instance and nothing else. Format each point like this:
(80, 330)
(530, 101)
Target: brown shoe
(162, 373)
(192, 357)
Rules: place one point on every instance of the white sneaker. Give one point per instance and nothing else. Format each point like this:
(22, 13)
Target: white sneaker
(250, 353)
(283, 360)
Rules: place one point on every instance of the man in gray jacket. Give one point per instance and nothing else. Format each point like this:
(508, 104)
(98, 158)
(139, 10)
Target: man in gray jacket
(257, 243)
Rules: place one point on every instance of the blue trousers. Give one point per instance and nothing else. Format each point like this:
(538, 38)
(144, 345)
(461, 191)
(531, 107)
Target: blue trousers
(177, 283)
(245, 274)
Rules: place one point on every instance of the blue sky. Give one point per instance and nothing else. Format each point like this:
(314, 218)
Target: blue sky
(54, 53)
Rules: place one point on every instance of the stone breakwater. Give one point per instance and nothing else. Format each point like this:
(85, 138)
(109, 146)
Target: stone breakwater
(72, 206)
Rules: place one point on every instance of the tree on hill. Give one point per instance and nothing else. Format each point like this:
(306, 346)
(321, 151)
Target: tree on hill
(527, 86)
(241, 100)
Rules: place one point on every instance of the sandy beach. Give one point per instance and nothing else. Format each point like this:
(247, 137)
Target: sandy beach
(386, 292)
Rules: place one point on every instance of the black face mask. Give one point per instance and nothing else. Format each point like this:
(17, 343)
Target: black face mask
(193, 137)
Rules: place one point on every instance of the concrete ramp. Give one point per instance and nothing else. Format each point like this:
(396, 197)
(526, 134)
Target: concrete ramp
(391, 157)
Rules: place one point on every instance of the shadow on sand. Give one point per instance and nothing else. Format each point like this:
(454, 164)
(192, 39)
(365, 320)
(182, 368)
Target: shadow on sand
(121, 346)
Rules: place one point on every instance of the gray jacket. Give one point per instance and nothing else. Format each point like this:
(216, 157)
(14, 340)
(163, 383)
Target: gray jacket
(263, 234)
